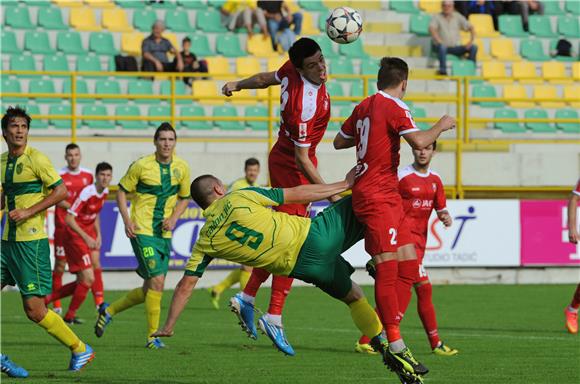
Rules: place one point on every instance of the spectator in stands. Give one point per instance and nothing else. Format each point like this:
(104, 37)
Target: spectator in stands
(243, 13)
(530, 7)
(280, 19)
(484, 7)
(155, 49)
(190, 61)
(444, 29)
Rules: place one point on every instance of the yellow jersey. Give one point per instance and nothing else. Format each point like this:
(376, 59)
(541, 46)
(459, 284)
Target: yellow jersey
(240, 227)
(240, 183)
(156, 187)
(233, 6)
(26, 181)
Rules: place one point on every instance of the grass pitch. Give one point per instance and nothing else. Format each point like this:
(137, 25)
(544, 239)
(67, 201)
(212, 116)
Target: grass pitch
(511, 334)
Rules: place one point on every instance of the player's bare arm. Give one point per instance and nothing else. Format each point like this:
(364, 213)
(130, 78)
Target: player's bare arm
(258, 81)
(72, 223)
(64, 204)
(445, 217)
(178, 302)
(180, 207)
(56, 195)
(572, 219)
(98, 240)
(341, 142)
(314, 192)
(130, 227)
(308, 168)
(422, 139)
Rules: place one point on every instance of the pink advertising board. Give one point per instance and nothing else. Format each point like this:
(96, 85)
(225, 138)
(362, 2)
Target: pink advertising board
(544, 232)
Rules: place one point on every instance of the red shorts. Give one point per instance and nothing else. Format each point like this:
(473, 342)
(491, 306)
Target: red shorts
(421, 273)
(405, 236)
(78, 253)
(59, 241)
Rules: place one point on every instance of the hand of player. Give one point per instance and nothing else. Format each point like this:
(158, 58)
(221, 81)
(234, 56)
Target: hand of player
(447, 122)
(91, 243)
(573, 236)
(445, 218)
(19, 215)
(350, 177)
(164, 332)
(229, 88)
(130, 229)
(169, 224)
(99, 242)
(334, 198)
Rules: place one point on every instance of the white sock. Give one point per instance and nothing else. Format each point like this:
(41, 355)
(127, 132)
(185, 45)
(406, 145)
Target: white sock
(274, 319)
(572, 309)
(397, 346)
(248, 298)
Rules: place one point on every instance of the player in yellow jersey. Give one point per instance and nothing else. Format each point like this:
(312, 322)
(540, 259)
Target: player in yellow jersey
(30, 185)
(241, 275)
(241, 227)
(160, 187)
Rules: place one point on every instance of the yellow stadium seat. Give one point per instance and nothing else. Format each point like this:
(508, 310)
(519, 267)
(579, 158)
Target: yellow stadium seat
(115, 20)
(483, 25)
(494, 72)
(131, 43)
(430, 6)
(292, 6)
(331, 4)
(512, 91)
(525, 72)
(555, 72)
(264, 93)
(368, 5)
(572, 95)
(308, 26)
(247, 66)
(274, 63)
(218, 65)
(482, 54)
(68, 3)
(172, 37)
(202, 89)
(576, 70)
(83, 19)
(258, 46)
(236, 98)
(547, 92)
(100, 3)
(503, 49)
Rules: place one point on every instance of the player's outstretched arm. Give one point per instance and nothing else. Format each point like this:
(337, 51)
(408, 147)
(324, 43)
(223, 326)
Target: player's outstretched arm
(58, 194)
(341, 142)
(260, 80)
(314, 192)
(572, 219)
(178, 303)
(422, 139)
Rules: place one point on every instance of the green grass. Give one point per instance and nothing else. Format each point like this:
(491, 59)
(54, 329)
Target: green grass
(505, 334)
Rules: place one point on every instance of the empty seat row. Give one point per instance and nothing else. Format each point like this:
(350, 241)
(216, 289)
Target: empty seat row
(38, 42)
(523, 71)
(536, 127)
(520, 98)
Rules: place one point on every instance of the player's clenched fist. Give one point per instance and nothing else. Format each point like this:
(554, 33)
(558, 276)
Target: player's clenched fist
(445, 218)
(447, 122)
(229, 88)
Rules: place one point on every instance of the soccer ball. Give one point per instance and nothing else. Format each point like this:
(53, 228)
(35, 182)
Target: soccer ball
(344, 25)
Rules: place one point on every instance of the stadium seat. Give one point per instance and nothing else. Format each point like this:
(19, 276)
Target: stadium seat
(42, 86)
(83, 19)
(547, 92)
(129, 111)
(369, 67)
(60, 110)
(68, 3)
(482, 53)
(511, 26)
(525, 72)
(343, 113)
(115, 20)
(463, 68)
(131, 43)
(419, 24)
(555, 72)
(568, 26)
(322, 22)
(17, 17)
(81, 88)
(69, 42)
(553, 50)
(200, 45)
(22, 63)
(188, 4)
(430, 6)
(227, 111)
(335, 89)
(11, 86)
(229, 45)
(51, 18)
(100, 3)
(312, 5)
(102, 43)
(143, 19)
(131, 4)
(178, 21)
(259, 47)
(505, 127)
(326, 46)
(8, 42)
(210, 21)
(353, 50)
(404, 6)
(163, 112)
(56, 63)
(567, 114)
(141, 88)
(494, 72)
(89, 64)
(257, 111)
(247, 66)
(96, 110)
(201, 89)
(275, 63)
(37, 42)
(180, 90)
(540, 26)
(342, 66)
(265, 92)
(552, 8)
(109, 87)
(218, 65)
(486, 90)
(172, 37)
(572, 95)
(503, 49)
(419, 112)
(33, 111)
(39, 3)
(538, 127)
(238, 99)
(357, 90)
(576, 71)
(167, 4)
(573, 7)
(483, 25)
(515, 91)
(194, 111)
(533, 50)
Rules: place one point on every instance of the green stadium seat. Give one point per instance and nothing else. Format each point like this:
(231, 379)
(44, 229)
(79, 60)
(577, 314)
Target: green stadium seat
(130, 4)
(178, 21)
(573, 7)
(227, 111)
(540, 26)
(143, 19)
(69, 42)
(369, 67)
(195, 111)
(141, 87)
(463, 68)
(55, 63)
(508, 127)
(356, 89)
(552, 8)
(419, 24)
(533, 50)
(511, 26)
(129, 110)
(37, 42)
(51, 18)
(109, 87)
(210, 21)
(335, 89)
(419, 112)
(188, 4)
(43, 86)
(326, 47)
(217, 4)
(11, 86)
(257, 111)
(312, 5)
(403, 6)
(538, 127)
(8, 42)
(38, 3)
(322, 22)
(229, 46)
(567, 114)
(200, 45)
(342, 66)
(486, 90)
(343, 112)
(180, 90)
(568, 26)
(161, 111)
(89, 64)
(167, 4)
(33, 110)
(17, 18)
(22, 63)
(60, 109)
(96, 110)
(102, 43)
(81, 87)
(353, 50)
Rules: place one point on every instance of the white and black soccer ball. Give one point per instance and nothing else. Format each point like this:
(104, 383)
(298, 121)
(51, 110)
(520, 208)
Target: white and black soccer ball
(344, 25)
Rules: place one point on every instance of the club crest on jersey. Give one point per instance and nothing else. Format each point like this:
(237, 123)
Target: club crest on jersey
(302, 131)
(19, 168)
(434, 187)
(408, 114)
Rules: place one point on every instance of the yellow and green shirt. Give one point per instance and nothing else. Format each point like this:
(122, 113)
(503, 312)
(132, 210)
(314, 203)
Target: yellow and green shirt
(26, 181)
(156, 187)
(241, 228)
(240, 183)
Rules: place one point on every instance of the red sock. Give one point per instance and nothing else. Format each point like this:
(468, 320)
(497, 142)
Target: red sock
(79, 296)
(56, 285)
(407, 276)
(97, 287)
(64, 291)
(576, 299)
(257, 277)
(386, 298)
(427, 312)
(280, 289)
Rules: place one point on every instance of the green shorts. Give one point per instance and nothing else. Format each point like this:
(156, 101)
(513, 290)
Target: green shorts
(153, 254)
(319, 262)
(27, 264)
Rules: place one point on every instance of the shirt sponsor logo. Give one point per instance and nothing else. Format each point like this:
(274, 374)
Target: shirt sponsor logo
(418, 203)
(19, 168)
(302, 131)
(415, 189)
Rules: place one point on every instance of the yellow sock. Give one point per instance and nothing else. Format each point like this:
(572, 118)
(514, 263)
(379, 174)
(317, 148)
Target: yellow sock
(57, 328)
(132, 298)
(365, 318)
(232, 278)
(244, 277)
(153, 310)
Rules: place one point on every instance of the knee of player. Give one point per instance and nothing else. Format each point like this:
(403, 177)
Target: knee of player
(157, 283)
(35, 313)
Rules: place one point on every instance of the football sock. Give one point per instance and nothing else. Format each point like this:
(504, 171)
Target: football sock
(407, 275)
(576, 299)
(153, 311)
(56, 284)
(132, 298)
(248, 298)
(232, 278)
(572, 309)
(256, 279)
(57, 328)
(364, 340)
(280, 289)
(365, 318)
(274, 319)
(386, 298)
(397, 346)
(97, 287)
(79, 296)
(244, 277)
(427, 312)
(64, 291)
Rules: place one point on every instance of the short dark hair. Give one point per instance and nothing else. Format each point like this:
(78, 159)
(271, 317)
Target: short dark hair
(435, 145)
(186, 40)
(201, 189)
(71, 146)
(164, 127)
(301, 49)
(103, 166)
(13, 112)
(393, 72)
(251, 161)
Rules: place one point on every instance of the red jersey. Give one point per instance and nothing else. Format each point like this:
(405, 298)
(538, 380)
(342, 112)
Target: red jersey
(376, 125)
(87, 206)
(75, 182)
(421, 193)
(577, 189)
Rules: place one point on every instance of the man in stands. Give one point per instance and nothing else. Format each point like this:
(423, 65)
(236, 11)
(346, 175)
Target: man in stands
(279, 19)
(155, 49)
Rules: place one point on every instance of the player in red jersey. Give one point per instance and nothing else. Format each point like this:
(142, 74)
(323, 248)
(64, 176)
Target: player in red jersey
(75, 178)
(305, 111)
(571, 311)
(83, 240)
(375, 127)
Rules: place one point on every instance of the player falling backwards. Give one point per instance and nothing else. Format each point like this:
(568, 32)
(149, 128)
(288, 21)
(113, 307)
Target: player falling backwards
(83, 244)
(30, 185)
(422, 191)
(375, 127)
(305, 111)
(240, 227)
(160, 184)
(571, 311)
